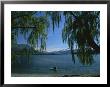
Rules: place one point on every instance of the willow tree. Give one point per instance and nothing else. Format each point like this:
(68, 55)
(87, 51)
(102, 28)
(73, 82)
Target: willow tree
(28, 23)
(81, 29)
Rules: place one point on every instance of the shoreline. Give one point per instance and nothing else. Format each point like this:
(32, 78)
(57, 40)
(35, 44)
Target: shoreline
(47, 75)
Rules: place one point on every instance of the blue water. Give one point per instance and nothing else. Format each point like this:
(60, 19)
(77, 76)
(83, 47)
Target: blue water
(40, 65)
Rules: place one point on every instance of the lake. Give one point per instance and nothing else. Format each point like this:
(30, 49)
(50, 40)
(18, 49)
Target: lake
(41, 66)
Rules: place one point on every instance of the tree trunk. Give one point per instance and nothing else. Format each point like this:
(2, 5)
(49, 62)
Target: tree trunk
(94, 46)
(92, 43)
(72, 52)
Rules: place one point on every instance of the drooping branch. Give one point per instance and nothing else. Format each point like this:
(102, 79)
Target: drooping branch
(73, 14)
(19, 16)
(72, 51)
(92, 43)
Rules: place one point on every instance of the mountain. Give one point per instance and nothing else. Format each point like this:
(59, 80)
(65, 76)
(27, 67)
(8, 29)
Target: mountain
(19, 47)
(64, 51)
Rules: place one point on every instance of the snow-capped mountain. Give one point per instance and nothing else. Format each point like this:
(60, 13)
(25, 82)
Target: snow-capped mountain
(64, 51)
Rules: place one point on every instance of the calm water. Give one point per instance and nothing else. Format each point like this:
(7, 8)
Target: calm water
(40, 65)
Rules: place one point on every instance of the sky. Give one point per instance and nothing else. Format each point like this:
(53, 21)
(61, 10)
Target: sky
(54, 39)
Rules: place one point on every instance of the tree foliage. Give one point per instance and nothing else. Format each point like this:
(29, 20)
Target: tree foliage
(25, 22)
(81, 29)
